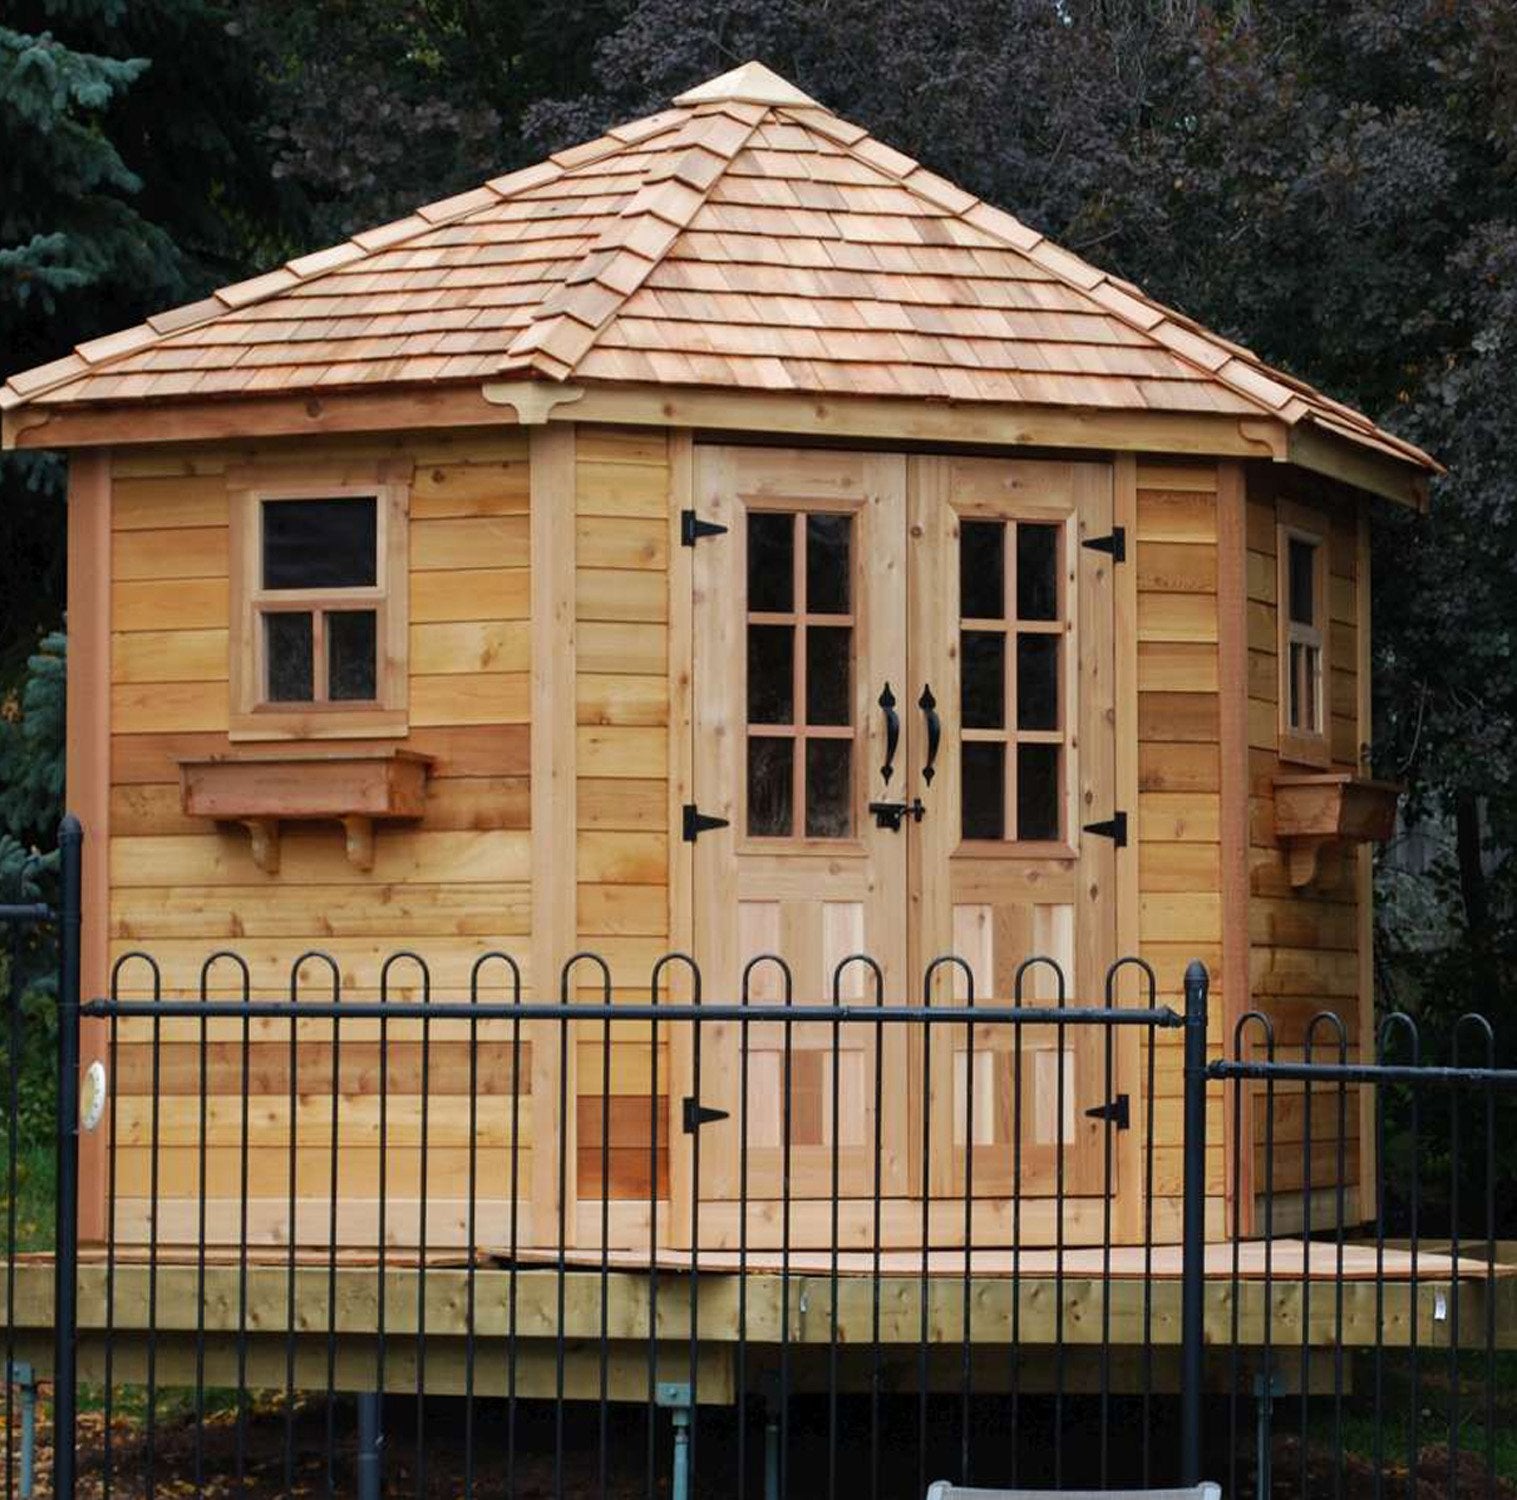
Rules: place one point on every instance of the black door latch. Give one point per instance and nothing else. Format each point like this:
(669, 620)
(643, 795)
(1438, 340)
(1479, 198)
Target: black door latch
(891, 814)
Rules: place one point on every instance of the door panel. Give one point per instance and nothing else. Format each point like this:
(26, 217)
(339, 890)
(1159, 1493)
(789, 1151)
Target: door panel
(1012, 631)
(965, 586)
(799, 622)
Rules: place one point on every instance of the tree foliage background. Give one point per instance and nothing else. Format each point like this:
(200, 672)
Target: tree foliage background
(1334, 186)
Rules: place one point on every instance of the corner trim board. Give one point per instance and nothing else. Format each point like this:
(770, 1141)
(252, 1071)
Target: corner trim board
(553, 801)
(1235, 791)
(87, 774)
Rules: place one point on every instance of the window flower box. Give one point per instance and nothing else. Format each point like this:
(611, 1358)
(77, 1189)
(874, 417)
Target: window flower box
(264, 789)
(1315, 810)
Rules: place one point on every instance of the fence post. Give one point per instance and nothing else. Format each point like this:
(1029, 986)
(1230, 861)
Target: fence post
(66, 1220)
(1193, 1228)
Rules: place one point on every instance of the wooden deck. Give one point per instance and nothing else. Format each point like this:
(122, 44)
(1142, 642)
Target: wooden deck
(246, 1313)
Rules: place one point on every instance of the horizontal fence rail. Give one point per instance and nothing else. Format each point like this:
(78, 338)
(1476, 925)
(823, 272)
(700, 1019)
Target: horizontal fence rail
(370, 1234)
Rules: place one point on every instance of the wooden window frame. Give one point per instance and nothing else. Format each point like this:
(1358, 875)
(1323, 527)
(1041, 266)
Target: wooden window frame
(799, 732)
(1311, 747)
(1065, 629)
(251, 716)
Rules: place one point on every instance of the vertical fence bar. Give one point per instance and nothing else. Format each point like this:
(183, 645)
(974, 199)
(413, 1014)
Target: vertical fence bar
(1193, 1229)
(17, 919)
(12, 1181)
(66, 1224)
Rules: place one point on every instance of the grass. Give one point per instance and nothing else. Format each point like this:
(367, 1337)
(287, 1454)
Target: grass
(1388, 1426)
(36, 1196)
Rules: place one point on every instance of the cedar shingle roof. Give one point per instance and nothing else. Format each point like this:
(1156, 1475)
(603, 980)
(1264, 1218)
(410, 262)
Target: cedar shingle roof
(744, 238)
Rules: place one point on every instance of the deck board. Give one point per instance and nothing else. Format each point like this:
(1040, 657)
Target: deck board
(1076, 1304)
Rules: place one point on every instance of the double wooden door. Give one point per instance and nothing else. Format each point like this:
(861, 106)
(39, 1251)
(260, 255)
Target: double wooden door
(903, 709)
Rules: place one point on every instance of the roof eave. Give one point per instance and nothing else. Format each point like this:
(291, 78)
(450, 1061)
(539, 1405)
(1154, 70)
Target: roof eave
(1377, 471)
(537, 397)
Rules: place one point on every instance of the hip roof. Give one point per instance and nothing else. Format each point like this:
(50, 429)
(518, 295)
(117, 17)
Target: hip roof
(746, 238)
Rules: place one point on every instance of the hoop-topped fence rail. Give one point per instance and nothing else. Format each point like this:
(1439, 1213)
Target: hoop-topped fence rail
(776, 1244)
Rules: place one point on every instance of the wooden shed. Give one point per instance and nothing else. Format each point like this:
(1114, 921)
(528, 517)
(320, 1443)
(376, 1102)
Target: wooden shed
(724, 536)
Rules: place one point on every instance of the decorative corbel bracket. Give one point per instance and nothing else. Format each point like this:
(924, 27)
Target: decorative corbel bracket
(264, 836)
(359, 832)
(1303, 858)
(533, 400)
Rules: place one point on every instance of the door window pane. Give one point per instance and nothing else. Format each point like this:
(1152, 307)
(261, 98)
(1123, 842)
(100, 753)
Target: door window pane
(771, 674)
(982, 570)
(1037, 682)
(1037, 572)
(829, 554)
(288, 641)
(800, 674)
(1011, 695)
(351, 655)
(771, 562)
(1038, 792)
(828, 675)
(320, 544)
(982, 677)
(983, 791)
(771, 787)
(829, 790)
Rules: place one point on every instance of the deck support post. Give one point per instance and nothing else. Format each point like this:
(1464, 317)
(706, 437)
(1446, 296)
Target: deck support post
(23, 1375)
(1266, 1388)
(367, 1469)
(66, 1219)
(674, 1396)
(772, 1441)
(1193, 1227)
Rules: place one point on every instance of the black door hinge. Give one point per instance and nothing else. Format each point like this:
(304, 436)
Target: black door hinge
(695, 1115)
(1115, 544)
(697, 823)
(1116, 1112)
(692, 528)
(1113, 828)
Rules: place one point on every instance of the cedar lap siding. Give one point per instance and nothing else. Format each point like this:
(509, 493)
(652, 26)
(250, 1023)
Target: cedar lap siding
(531, 379)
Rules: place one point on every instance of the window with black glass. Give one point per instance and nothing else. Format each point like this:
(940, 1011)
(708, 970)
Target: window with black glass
(1013, 720)
(1303, 630)
(319, 600)
(799, 669)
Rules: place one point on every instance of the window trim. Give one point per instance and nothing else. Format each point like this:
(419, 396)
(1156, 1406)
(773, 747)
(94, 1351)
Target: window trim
(250, 716)
(798, 732)
(1065, 628)
(1311, 747)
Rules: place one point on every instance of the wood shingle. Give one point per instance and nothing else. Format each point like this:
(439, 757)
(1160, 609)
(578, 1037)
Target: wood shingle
(745, 237)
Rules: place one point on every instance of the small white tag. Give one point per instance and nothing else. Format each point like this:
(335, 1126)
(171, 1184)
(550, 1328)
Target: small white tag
(1440, 1306)
(92, 1095)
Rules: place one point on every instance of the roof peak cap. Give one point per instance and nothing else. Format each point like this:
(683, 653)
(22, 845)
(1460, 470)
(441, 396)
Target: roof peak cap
(752, 83)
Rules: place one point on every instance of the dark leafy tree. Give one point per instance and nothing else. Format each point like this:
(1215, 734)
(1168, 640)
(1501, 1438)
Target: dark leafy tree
(133, 177)
(374, 107)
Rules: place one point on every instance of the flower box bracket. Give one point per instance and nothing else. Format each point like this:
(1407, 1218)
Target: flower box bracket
(263, 790)
(1325, 809)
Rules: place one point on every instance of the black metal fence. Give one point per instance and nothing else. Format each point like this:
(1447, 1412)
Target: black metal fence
(769, 1247)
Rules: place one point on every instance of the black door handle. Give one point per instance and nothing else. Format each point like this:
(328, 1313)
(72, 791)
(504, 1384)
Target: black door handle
(929, 706)
(892, 732)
